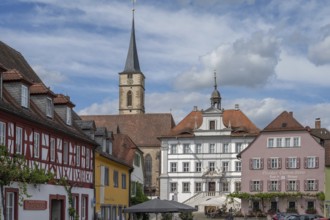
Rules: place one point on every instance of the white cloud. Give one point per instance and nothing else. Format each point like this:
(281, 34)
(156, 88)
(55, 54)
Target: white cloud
(50, 78)
(297, 69)
(319, 53)
(106, 107)
(247, 62)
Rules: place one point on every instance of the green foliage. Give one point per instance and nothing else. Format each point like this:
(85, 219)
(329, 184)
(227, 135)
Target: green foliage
(139, 198)
(186, 216)
(68, 188)
(14, 168)
(167, 216)
(272, 195)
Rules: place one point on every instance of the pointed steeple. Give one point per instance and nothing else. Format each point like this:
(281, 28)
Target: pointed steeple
(132, 60)
(216, 97)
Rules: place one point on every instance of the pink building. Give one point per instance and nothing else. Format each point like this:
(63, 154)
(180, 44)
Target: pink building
(286, 164)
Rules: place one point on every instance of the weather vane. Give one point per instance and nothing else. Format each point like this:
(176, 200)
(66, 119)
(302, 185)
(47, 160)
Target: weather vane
(133, 3)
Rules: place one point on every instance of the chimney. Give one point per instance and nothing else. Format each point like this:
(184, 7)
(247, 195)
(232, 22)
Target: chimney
(195, 108)
(317, 123)
(291, 114)
(236, 106)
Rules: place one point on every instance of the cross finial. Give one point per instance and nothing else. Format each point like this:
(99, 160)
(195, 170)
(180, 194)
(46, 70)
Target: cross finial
(215, 79)
(133, 5)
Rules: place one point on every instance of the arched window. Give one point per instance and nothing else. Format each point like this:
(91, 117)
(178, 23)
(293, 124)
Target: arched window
(129, 98)
(148, 170)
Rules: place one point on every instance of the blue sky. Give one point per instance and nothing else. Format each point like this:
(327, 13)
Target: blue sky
(269, 56)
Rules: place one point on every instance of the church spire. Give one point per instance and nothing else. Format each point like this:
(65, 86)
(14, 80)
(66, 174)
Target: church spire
(132, 60)
(216, 97)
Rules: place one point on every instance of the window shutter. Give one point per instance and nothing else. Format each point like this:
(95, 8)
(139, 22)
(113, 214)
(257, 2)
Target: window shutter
(316, 162)
(251, 164)
(268, 163)
(279, 185)
(279, 163)
(262, 163)
(316, 185)
(269, 185)
(305, 185)
(102, 175)
(298, 185)
(251, 186)
(286, 163)
(261, 186)
(298, 163)
(305, 162)
(286, 185)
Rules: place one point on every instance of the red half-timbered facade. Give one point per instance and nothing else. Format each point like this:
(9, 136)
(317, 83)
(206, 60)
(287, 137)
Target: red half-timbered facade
(41, 125)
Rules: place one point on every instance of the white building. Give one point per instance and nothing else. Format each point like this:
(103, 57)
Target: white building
(198, 157)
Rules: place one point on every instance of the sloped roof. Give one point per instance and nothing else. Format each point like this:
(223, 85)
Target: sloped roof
(284, 122)
(132, 60)
(13, 75)
(143, 129)
(12, 59)
(124, 148)
(321, 133)
(236, 119)
(40, 88)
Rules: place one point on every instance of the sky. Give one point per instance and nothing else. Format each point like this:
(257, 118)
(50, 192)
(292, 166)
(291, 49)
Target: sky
(269, 55)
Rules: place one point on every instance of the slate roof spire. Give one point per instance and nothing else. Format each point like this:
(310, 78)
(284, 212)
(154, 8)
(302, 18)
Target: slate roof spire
(216, 97)
(132, 60)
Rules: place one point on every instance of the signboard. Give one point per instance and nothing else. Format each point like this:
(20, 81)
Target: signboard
(35, 205)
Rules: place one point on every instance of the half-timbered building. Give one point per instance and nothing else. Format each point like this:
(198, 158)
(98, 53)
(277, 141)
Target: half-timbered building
(39, 124)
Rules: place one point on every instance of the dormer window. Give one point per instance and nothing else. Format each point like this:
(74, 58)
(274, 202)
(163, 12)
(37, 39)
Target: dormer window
(49, 108)
(24, 96)
(68, 116)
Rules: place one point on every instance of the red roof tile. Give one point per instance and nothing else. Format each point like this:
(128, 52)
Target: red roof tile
(14, 75)
(40, 88)
(284, 122)
(143, 129)
(61, 99)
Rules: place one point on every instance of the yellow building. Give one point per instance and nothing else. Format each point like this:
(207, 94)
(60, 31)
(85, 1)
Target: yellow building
(112, 174)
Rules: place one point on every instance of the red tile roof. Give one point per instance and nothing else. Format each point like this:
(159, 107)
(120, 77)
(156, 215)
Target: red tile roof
(61, 99)
(236, 119)
(143, 129)
(14, 75)
(284, 122)
(40, 88)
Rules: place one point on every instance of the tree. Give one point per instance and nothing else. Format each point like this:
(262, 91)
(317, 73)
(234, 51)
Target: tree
(139, 198)
(13, 168)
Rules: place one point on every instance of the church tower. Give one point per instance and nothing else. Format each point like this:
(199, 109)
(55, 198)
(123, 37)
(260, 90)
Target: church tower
(131, 81)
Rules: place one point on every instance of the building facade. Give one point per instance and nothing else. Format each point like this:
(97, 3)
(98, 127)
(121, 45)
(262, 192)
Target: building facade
(40, 125)
(287, 163)
(199, 154)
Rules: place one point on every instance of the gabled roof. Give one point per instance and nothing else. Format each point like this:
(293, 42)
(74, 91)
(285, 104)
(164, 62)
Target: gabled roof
(234, 119)
(40, 89)
(61, 99)
(12, 59)
(124, 148)
(284, 122)
(14, 75)
(143, 129)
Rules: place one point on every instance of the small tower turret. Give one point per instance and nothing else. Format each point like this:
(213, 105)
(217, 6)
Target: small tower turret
(216, 97)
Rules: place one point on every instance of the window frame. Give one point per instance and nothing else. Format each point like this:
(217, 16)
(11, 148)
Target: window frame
(24, 96)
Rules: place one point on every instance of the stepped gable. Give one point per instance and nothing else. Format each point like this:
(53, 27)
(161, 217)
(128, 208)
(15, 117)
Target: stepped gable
(284, 122)
(143, 129)
(12, 59)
